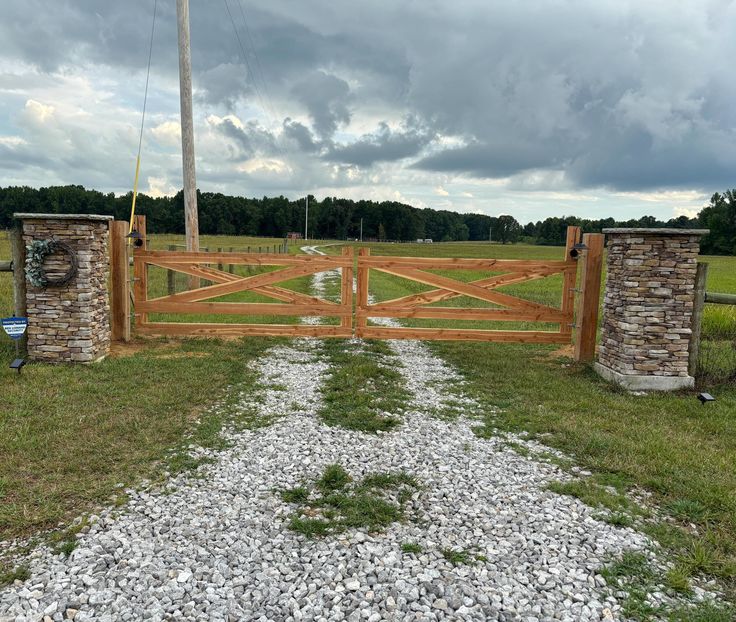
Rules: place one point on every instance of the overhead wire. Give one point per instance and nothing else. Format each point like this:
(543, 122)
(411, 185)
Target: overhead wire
(253, 73)
(143, 120)
(258, 60)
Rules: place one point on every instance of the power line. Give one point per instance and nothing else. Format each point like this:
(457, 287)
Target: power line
(143, 117)
(258, 60)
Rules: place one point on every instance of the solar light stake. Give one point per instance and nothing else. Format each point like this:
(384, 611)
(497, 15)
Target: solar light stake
(705, 397)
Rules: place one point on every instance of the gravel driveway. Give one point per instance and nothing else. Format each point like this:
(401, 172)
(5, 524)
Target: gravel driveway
(218, 547)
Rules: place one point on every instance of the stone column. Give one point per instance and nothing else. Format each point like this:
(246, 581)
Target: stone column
(70, 323)
(647, 308)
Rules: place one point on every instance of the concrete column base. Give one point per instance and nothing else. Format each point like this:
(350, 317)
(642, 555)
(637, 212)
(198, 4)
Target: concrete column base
(645, 383)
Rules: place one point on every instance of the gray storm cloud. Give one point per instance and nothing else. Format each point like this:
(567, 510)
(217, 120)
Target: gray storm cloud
(620, 95)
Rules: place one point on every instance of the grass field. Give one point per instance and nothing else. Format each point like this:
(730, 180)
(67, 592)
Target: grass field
(69, 435)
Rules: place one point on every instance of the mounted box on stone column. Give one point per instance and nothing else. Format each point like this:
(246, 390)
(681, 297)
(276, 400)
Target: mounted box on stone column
(648, 307)
(66, 295)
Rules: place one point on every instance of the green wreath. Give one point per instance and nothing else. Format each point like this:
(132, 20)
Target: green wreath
(36, 254)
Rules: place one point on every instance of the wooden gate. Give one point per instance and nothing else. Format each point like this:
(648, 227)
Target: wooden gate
(503, 272)
(199, 265)
(507, 308)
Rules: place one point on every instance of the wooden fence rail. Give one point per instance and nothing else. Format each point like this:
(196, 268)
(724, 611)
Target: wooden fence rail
(508, 308)
(199, 265)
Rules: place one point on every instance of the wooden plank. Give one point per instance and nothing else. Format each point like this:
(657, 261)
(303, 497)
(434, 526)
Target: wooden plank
(139, 290)
(701, 276)
(346, 293)
(586, 321)
(242, 330)
(6, 266)
(452, 263)
(449, 334)
(18, 259)
(270, 259)
(362, 289)
(467, 289)
(440, 295)
(568, 281)
(720, 299)
(119, 282)
(244, 308)
(242, 284)
(141, 275)
(464, 313)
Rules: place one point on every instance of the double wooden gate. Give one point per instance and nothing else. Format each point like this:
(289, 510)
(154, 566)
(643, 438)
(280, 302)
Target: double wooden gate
(361, 317)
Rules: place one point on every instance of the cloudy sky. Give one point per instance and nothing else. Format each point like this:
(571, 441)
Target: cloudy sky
(535, 108)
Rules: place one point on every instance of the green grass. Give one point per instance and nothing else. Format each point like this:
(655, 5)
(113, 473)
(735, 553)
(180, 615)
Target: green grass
(411, 548)
(9, 574)
(682, 452)
(334, 503)
(362, 388)
(456, 557)
(70, 434)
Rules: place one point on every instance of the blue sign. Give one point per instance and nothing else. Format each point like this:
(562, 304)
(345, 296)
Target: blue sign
(15, 326)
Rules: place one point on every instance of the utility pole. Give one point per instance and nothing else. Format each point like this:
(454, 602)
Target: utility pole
(361, 229)
(490, 234)
(306, 220)
(191, 219)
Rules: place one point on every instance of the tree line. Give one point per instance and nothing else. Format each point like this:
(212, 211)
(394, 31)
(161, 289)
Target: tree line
(334, 218)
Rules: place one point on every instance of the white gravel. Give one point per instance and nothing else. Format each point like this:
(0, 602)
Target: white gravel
(218, 546)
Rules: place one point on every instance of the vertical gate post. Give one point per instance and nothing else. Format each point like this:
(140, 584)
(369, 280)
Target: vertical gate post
(701, 276)
(346, 296)
(361, 321)
(18, 259)
(171, 276)
(568, 281)
(140, 272)
(119, 282)
(586, 321)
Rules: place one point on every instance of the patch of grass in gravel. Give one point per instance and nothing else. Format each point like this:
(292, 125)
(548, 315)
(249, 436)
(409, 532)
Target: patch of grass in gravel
(335, 503)
(361, 388)
(456, 557)
(634, 575)
(595, 495)
(411, 548)
(9, 574)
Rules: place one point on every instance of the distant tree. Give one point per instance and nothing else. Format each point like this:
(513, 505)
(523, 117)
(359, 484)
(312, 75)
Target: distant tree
(720, 217)
(507, 229)
(381, 232)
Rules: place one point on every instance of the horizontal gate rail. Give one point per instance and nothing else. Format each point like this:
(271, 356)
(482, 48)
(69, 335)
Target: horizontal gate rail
(507, 308)
(196, 301)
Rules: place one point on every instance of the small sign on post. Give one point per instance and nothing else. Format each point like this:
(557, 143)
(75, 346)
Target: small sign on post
(15, 327)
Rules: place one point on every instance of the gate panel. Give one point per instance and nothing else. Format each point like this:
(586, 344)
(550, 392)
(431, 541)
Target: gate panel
(195, 301)
(484, 289)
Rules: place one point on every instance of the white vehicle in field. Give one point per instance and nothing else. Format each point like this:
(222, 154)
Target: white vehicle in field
(427, 240)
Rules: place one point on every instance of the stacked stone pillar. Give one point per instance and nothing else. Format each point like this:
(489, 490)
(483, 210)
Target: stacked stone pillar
(70, 323)
(648, 308)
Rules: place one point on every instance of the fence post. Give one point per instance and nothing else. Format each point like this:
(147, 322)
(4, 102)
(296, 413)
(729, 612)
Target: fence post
(171, 276)
(119, 282)
(586, 322)
(361, 321)
(18, 259)
(231, 267)
(140, 272)
(219, 263)
(568, 281)
(346, 296)
(701, 276)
